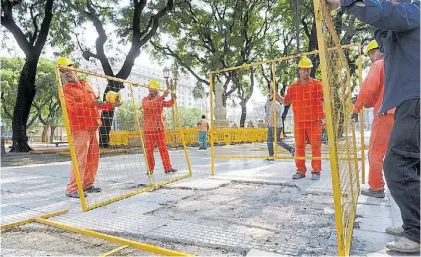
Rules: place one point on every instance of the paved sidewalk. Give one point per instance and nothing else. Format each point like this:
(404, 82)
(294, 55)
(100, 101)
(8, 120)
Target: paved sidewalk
(29, 191)
(373, 216)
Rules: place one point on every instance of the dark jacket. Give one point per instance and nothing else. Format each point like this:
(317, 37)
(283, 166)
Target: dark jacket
(398, 35)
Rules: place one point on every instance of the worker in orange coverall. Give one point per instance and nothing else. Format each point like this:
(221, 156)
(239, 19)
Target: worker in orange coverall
(83, 110)
(371, 95)
(306, 97)
(153, 126)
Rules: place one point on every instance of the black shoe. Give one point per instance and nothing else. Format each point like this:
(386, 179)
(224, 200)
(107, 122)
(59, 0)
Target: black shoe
(147, 173)
(170, 171)
(270, 159)
(372, 193)
(75, 195)
(92, 189)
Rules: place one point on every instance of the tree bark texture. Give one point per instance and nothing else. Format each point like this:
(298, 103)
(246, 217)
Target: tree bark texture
(25, 96)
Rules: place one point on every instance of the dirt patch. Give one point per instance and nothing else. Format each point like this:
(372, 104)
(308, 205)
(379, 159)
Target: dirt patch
(276, 217)
(21, 159)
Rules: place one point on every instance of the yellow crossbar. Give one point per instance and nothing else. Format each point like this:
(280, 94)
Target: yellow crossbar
(114, 239)
(114, 250)
(26, 221)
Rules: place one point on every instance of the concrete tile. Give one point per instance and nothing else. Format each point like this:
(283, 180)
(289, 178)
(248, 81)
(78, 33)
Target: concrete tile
(367, 241)
(259, 253)
(367, 200)
(373, 211)
(374, 224)
(199, 184)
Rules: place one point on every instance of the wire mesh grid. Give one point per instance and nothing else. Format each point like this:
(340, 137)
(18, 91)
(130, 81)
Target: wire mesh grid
(336, 73)
(112, 137)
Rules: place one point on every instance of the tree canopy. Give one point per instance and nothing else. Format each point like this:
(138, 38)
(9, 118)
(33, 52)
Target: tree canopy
(46, 105)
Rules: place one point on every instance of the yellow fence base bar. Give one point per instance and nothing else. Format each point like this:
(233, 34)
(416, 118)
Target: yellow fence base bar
(17, 223)
(114, 239)
(265, 157)
(114, 250)
(158, 185)
(142, 190)
(26, 221)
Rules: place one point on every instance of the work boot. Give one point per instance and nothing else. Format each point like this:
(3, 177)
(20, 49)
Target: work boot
(298, 176)
(172, 170)
(404, 245)
(270, 159)
(92, 189)
(375, 194)
(75, 195)
(315, 176)
(395, 230)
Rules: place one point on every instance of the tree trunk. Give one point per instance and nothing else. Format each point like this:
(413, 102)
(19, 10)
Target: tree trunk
(45, 134)
(3, 149)
(107, 117)
(53, 129)
(25, 96)
(243, 114)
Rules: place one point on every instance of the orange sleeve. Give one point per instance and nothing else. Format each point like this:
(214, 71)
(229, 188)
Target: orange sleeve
(288, 97)
(76, 105)
(169, 103)
(370, 89)
(106, 107)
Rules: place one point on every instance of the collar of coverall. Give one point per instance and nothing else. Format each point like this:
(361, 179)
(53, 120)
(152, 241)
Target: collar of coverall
(309, 81)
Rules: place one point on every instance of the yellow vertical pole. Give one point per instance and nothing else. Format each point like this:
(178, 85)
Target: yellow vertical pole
(330, 132)
(182, 137)
(211, 123)
(139, 130)
(362, 147)
(353, 132)
(174, 133)
(70, 139)
(348, 108)
(274, 101)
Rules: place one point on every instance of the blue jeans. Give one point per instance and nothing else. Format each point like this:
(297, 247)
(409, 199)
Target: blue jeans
(280, 143)
(203, 139)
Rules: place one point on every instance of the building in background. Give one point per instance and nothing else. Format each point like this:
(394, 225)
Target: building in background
(144, 74)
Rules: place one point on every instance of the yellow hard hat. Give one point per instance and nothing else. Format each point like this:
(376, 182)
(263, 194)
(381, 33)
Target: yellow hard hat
(305, 63)
(153, 84)
(372, 45)
(112, 97)
(64, 61)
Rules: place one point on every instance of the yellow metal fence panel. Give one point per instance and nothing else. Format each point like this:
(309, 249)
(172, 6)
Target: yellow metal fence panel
(129, 167)
(339, 139)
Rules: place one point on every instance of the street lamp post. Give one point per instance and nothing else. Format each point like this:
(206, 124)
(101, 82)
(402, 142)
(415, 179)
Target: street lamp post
(171, 82)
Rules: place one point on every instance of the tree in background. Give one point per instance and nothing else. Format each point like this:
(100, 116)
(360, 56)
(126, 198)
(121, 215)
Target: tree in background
(189, 117)
(45, 107)
(209, 35)
(29, 23)
(136, 23)
(125, 119)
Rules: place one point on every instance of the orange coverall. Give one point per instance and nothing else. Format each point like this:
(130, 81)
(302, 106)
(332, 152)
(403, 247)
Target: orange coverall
(84, 118)
(371, 95)
(154, 129)
(307, 106)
